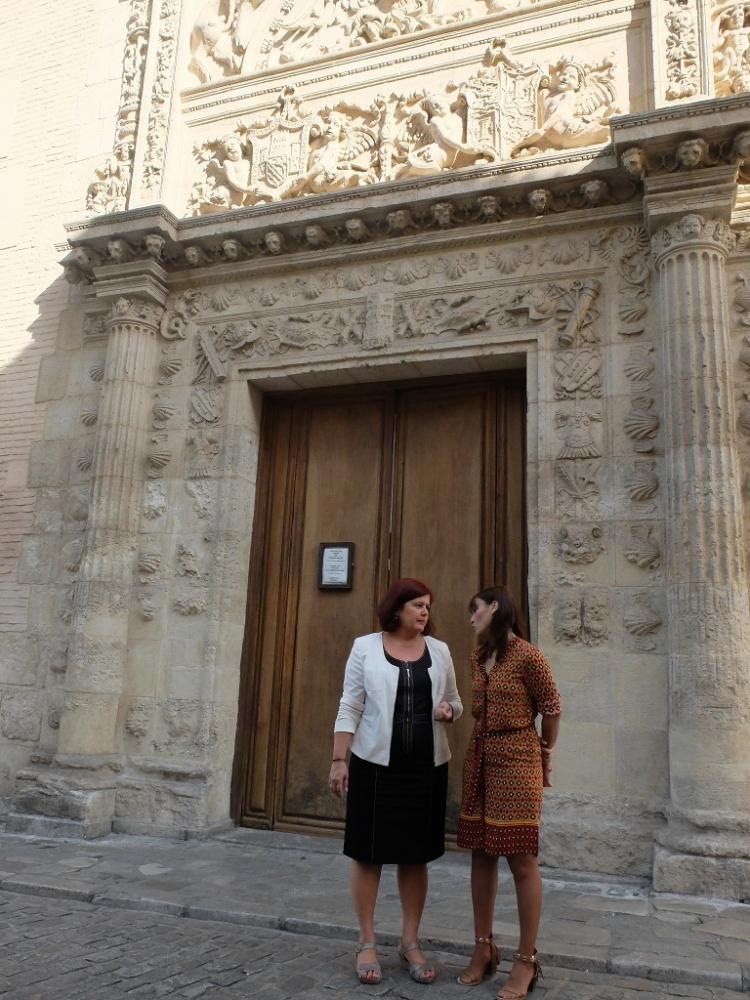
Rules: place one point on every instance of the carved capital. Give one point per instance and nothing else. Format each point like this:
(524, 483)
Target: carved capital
(133, 311)
(690, 233)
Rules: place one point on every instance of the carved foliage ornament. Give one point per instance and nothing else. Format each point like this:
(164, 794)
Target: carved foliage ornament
(682, 50)
(505, 110)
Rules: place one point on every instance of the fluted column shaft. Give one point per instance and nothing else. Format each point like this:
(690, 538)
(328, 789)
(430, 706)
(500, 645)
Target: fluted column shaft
(707, 593)
(98, 649)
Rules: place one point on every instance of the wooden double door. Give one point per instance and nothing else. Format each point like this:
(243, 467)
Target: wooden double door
(427, 481)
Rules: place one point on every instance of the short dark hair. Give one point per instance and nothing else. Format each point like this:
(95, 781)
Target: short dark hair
(506, 617)
(406, 589)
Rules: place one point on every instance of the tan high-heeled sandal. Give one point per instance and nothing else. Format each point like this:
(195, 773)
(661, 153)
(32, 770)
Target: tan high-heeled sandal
(506, 994)
(368, 973)
(489, 968)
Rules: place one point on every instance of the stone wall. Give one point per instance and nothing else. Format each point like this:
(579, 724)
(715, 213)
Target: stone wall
(60, 83)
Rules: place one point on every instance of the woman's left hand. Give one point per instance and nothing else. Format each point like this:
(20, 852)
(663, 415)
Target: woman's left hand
(444, 712)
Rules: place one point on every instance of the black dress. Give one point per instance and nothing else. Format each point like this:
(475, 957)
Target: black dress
(395, 814)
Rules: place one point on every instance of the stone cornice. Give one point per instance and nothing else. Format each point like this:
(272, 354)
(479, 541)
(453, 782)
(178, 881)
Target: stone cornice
(716, 120)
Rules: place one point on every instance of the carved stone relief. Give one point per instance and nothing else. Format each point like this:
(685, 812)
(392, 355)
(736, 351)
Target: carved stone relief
(643, 548)
(641, 484)
(577, 374)
(204, 448)
(641, 423)
(683, 53)
(161, 92)
(641, 621)
(110, 188)
(154, 501)
(731, 36)
(232, 37)
(578, 430)
(582, 616)
(742, 304)
(158, 456)
(203, 495)
(579, 543)
(504, 110)
(577, 491)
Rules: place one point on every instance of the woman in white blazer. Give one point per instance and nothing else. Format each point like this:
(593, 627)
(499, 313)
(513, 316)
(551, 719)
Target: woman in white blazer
(399, 695)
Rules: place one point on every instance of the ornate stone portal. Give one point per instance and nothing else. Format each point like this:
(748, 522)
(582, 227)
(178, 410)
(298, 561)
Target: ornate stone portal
(318, 188)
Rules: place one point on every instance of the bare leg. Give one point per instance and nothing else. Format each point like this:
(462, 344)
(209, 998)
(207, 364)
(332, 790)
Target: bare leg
(412, 888)
(483, 893)
(365, 880)
(528, 881)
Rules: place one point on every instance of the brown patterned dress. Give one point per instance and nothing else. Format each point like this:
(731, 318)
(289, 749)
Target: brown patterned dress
(502, 789)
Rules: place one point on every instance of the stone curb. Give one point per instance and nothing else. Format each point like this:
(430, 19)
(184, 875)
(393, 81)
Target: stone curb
(727, 975)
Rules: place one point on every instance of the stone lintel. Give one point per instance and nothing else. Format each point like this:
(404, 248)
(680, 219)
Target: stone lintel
(709, 191)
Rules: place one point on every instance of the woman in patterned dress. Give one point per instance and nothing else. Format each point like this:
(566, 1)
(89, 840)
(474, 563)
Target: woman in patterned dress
(507, 764)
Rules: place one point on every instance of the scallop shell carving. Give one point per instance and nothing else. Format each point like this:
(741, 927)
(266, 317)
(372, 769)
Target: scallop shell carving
(644, 550)
(96, 371)
(457, 267)
(641, 424)
(640, 367)
(89, 416)
(311, 289)
(511, 260)
(85, 462)
(641, 618)
(642, 483)
(353, 280)
(162, 412)
(159, 458)
(269, 297)
(169, 367)
(149, 562)
(222, 298)
(406, 272)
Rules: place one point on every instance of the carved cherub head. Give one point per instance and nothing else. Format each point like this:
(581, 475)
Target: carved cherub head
(488, 208)
(231, 147)
(634, 162)
(692, 153)
(356, 229)
(231, 249)
(741, 146)
(118, 250)
(274, 242)
(442, 214)
(333, 129)
(593, 191)
(538, 200)
(399, 221)
(691, 226)
(315, 236)
(194, 255)
(570, 75)
(154, 245)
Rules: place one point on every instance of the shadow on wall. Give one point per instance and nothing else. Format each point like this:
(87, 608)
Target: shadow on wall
(43, 508)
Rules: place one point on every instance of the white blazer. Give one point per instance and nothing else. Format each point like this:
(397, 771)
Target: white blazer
(369, 699)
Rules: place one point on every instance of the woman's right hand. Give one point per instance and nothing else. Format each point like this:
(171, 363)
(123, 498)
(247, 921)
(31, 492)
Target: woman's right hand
(338, 779)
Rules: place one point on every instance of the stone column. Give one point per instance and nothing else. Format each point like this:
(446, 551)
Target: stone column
(705, 847)
(98, 648)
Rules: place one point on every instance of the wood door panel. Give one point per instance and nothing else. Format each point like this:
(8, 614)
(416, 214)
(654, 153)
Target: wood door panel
(342, 502)
(426, 481)
(442, 518)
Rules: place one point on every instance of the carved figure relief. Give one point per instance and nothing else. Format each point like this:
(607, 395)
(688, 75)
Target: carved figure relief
(579, 543)
(582, 617)
(161, 94)
(504, 110)
(230, 37)
(577, 431)
(731, 30)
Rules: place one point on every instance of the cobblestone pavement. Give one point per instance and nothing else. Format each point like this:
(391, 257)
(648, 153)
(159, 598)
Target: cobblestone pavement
(54, 949)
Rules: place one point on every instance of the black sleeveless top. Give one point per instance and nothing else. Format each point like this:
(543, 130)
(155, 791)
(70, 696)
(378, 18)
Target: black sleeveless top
(412, 739)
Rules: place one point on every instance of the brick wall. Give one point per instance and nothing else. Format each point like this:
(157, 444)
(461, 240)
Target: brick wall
(60, 66)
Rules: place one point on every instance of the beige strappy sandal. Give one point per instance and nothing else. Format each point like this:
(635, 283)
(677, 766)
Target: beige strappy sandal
(490, 966)
(506, 994)
(420, 972)
(368, 973)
